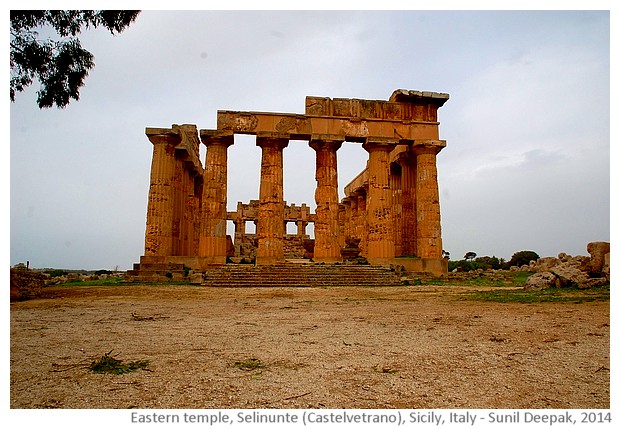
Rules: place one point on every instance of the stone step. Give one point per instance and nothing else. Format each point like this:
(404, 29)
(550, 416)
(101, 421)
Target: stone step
(308, 275)
(282, 275)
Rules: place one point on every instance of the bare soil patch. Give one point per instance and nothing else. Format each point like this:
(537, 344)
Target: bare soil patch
(401, 347)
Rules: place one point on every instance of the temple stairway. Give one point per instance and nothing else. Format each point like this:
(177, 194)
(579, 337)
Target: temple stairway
(300, 275)
(282, 275)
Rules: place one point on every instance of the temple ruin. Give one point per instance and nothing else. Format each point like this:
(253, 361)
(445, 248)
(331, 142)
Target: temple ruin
(390, 210)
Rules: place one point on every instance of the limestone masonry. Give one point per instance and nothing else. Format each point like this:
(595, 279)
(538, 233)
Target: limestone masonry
(391, 208)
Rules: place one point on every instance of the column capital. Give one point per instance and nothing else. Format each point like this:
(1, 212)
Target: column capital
(427, 146)
(163, 136)
(222, 137)
(269, 139)
(325, 143)
(380, 144)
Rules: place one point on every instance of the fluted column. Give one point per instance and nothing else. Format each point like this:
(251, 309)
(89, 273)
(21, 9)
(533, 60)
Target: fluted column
(239, 228)
(360, 220)
(160, 209)
(212, 245)
(270, 227)
(196, 214)
(185, 233)
(348, 217)
(379, 202)
(326, 245)
(428, 228)
(397, 206)
(407, 163)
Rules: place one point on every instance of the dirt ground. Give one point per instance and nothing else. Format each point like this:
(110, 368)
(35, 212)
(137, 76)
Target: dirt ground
(403, 347)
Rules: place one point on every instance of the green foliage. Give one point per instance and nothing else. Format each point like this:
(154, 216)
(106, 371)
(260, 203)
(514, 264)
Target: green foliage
(523, 258)
(482, 263)
(463, 265)
(60, 66)
(56, 273)
(110, 281)
(489, 262)
(107, 364)
(469, 256)
(249, 364)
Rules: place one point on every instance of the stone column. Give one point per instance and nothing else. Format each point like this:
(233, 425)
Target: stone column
(239, 228)
(428, 227)
(196, 214)
(270, 227)
(326, 245)
(379, 202)
(397, 204)
(159, 215)
(212, 246)
(342, 222)
(348, 217)
(301, 228)
(360, 219)
(407, 163)
(185, 210)
(177, 206)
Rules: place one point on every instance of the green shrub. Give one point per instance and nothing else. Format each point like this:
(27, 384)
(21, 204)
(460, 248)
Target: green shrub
(522, 257)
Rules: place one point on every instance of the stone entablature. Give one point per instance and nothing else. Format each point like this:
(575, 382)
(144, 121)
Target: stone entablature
(392, 207)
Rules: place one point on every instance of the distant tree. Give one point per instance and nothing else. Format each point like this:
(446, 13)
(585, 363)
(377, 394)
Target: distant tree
(489, 262)
(469, 256)
(463, 265)
(61, 65)
(523, 257)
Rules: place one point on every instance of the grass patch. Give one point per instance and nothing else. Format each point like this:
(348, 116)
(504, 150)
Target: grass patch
(570, 295)
(508, 279)
(110, 281)
(248, 364)
(107, 364)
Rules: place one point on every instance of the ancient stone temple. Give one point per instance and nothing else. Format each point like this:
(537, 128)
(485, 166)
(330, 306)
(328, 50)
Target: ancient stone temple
(390, 210)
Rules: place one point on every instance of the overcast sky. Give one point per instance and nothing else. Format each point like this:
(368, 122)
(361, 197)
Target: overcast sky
(527, 162)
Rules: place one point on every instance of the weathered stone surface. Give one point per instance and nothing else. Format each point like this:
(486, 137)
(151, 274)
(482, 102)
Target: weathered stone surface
(196, 278)
(428, 225)
(593, 282)
(563, 257)
(351, 250)
(570, 275)
(327, 246)
(597, 251)
(544, 264)
(606, 269)
(270, 226)
(213, 244)
(539, 281)
(173, 203)
(379, 203)
(409, 216)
